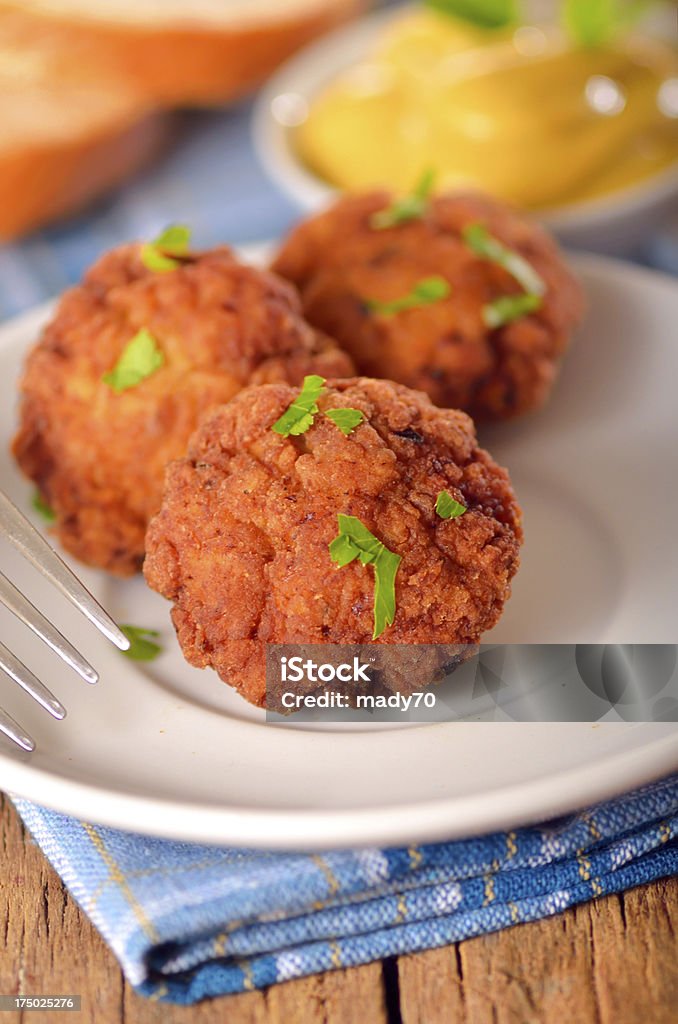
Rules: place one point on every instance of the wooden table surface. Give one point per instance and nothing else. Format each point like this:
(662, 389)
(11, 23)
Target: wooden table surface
(614, 961)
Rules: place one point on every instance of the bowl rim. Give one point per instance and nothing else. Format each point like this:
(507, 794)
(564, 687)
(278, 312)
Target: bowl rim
(317, 64)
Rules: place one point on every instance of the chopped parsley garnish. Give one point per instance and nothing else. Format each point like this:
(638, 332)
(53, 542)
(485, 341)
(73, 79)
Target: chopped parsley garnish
(353, 541)
(408, 207)
(483, 244)
(346, 419)
(447, 507)
(593, 22)
(425, 292)
(508, 308)
(300, 414)
(141, 648)
(172, 242)
(486, 13)
(42, 508)
(140, 359)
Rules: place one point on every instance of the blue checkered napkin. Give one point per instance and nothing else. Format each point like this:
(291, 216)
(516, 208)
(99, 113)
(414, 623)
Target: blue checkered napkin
(189, 921)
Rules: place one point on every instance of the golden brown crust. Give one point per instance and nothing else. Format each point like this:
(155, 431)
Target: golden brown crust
(73, 126)
(338, 261)
(179, 64)
(47, 181)
(79, 99)
(99, 457)
(241, 542)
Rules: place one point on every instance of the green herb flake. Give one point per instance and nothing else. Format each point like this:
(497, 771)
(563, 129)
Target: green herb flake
(346, 419)
(485, 245)
(172, 242)
(591, 23)
(408, 207)
(425, 292)
(508, 308)
(141, 647)
(175, 240)
(300, 414)
(139, 360)
(447, 507)
(353, 541)
(485, 13)
(42, 508)
(154, 260)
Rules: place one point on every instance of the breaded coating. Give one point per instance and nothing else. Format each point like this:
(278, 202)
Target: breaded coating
(240, 544)
(99, 457)
(339, 262)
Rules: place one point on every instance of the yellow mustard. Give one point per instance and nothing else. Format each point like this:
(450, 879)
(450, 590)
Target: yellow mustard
(520, 113)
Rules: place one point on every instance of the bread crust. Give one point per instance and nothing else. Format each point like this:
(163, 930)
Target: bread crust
(73, 126)
(109, 85)
(176, 64)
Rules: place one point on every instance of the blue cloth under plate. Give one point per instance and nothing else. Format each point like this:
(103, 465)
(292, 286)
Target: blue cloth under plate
(190, 921)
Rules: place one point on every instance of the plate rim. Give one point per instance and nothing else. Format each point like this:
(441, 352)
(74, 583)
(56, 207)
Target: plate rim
(493, 810)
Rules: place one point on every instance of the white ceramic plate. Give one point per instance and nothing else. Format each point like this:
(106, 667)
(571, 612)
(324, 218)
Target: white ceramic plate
(171, 751)
(611, 224)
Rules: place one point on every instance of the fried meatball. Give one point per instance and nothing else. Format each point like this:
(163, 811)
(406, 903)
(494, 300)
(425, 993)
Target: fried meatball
(97, 456)
(240, 544)
(340, 262)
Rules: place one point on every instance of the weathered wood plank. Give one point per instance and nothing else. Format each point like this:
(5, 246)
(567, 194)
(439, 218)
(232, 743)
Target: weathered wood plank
(635, 944)
(51, 947)
(246, 1009)
(340, 997)
(614, 961)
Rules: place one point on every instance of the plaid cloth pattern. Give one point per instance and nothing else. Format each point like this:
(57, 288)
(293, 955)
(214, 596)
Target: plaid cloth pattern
(187, 921)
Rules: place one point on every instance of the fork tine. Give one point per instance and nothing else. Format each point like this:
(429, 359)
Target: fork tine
(13, 731)
(27, 613)
(17, 671)
(33, 546)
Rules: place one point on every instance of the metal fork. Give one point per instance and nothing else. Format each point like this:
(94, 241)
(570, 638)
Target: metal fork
(33, 546)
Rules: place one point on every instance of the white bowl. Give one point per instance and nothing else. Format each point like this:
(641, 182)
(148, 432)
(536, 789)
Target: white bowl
(612, 224)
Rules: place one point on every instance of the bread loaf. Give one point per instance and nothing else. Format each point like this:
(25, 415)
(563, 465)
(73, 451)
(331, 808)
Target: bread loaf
(72, 126)
(180, 52)
(81, 83)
